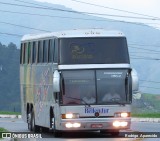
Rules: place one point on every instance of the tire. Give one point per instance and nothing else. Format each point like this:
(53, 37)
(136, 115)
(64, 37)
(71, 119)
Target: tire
(29, 121)
(51, 128)
(57, 133)
(34, 127)
(111, 132)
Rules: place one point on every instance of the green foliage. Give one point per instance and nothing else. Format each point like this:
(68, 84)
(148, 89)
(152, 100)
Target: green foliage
(3, 130)
(9, 113)
(147, 106)
(146, 115)
(9, 78)
(153, 99)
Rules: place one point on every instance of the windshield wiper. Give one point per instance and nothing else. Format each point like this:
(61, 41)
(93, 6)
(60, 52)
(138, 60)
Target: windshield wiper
(86, 104)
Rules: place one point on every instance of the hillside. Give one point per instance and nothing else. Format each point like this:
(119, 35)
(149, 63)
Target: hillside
(9, 85)
(143, 40)
(147, 103)
(9, 78)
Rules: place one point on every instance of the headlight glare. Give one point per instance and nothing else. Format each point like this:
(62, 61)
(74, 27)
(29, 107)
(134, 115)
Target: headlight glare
(70, 116)
(124, 115)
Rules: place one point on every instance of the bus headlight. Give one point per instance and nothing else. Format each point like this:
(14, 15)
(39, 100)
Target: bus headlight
(70, 116)
(123, 115)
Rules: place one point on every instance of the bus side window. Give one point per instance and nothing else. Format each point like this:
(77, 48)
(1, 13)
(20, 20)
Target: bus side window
(21, 53)
(40, 51)
(29, 53)
(25, 53)
(45, 51)
(51, 51)
(34, 52)
(56, 51)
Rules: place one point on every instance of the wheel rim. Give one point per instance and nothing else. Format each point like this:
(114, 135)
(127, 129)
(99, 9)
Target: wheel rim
(29, 121)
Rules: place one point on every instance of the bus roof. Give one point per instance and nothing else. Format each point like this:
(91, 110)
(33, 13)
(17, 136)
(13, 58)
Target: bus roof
(74, 34)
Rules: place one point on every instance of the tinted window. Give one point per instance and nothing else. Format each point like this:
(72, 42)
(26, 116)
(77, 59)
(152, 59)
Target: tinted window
(93, 50)
(51, 50)
(21, 54)
(111, 85)
(34, 52)
(25, 53)
(79, 87)
(29, 52)
(45, 51)
(40, 51)
(56, 51)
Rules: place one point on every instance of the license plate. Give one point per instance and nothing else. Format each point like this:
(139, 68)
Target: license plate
(96, 125)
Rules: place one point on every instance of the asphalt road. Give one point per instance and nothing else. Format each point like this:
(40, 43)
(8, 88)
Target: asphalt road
(17, 125)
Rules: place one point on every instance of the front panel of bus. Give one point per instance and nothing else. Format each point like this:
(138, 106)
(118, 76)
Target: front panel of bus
(96, 90)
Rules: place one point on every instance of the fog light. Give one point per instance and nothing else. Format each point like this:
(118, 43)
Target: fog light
(76, 125)
(69, 125)
(123, 124)
(116, 123)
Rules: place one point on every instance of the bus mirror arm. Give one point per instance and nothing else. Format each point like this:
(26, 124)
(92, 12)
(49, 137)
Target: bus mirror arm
(56, 82)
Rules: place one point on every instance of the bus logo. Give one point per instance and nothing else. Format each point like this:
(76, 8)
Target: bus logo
(90, 110)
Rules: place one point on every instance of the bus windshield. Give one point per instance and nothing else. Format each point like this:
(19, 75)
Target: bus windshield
(95, 87)
(100, 50)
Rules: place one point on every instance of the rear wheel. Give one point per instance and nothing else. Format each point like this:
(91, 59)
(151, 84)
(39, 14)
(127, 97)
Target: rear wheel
(29, 121)
(34, 127)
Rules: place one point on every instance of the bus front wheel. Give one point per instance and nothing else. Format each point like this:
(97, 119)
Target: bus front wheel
(113, 132)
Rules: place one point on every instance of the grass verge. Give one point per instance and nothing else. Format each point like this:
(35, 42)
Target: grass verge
(2, 130)
(146, 115)
(9, 113)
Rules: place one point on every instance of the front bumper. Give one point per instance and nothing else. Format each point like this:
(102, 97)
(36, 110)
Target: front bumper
(93, 124)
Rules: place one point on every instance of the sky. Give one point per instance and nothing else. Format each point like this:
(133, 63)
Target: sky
(146, 7)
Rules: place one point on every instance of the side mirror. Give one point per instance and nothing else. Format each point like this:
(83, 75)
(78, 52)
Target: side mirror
(56, 81)
(135, 81)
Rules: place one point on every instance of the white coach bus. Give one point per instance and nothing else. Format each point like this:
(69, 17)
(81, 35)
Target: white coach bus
(76, 80)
